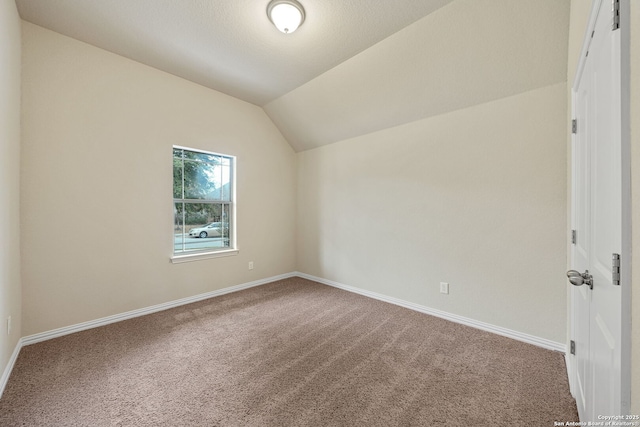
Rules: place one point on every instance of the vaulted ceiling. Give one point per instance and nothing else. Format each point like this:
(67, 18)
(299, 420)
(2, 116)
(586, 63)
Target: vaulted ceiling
(353, 67)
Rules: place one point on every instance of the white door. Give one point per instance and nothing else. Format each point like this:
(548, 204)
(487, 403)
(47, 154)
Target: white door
(596, 217)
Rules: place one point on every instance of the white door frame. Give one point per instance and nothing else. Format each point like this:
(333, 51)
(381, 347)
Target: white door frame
(625, 256)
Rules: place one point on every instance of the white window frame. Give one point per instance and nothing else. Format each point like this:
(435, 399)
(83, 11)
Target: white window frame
(208, 253)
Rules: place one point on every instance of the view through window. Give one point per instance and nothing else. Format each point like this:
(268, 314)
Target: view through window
(202, 201)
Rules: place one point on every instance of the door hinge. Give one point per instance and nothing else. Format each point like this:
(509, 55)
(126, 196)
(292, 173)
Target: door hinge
(615, 10)
(574, 126)
(615, 269)
(572, 347)
(573, 237)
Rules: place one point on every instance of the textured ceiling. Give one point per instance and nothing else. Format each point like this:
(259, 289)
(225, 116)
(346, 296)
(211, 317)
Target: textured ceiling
(229, 45)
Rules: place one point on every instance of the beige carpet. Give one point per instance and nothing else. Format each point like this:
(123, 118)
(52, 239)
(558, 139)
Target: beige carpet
(290, 353)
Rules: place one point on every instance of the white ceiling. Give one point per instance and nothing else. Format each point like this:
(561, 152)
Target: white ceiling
(229, 45)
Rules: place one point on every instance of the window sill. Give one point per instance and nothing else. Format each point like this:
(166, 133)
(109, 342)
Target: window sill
(178, 259)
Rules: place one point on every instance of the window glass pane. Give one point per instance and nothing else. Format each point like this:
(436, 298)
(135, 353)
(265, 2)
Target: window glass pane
(225, 180)
(198, 180)
(226, 228)
(206, 226)
(199, 214)
(202, 157)
(216, 177)
(177, 178)
(178, 227)
(204, 181)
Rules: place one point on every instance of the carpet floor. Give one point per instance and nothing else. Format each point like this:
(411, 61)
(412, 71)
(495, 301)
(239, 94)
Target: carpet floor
(289, 353)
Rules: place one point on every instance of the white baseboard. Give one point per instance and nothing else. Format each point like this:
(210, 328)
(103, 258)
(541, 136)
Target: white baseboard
(509, 333)
(7, 370)
(55, 333)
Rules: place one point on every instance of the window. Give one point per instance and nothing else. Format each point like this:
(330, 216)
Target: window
(203, 204)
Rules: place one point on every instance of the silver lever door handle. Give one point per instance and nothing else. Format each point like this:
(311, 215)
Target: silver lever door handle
(578, 279)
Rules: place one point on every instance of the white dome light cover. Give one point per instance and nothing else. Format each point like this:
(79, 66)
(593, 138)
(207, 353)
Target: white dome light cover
(286, 15)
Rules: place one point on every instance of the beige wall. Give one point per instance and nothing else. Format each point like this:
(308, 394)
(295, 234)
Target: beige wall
(448, 164)
(96, 184)
(10, 304)
(395, 212)
(475, 198)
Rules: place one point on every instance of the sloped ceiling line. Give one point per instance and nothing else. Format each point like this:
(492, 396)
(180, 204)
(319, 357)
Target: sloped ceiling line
(354, 66)
(466, 53)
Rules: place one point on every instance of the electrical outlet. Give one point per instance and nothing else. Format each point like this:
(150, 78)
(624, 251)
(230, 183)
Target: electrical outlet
(444, 288)
(9, 325)
(250, 265)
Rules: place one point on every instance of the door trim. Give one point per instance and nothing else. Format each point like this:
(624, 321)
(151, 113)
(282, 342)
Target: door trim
(625, 267)
(625, 256)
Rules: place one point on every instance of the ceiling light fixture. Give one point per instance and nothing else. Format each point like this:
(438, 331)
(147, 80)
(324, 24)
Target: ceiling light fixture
(286, 15)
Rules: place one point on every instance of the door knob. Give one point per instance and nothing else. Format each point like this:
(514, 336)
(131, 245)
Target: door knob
(578, 279)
